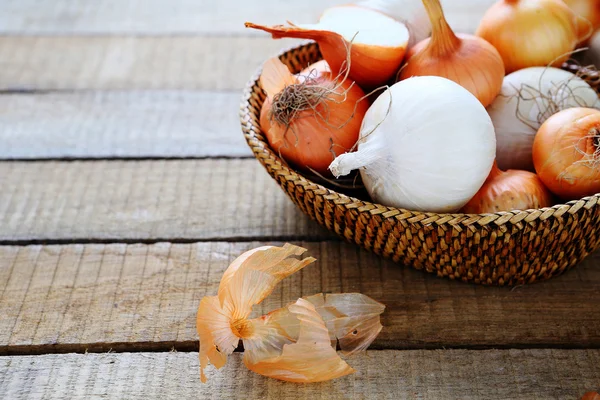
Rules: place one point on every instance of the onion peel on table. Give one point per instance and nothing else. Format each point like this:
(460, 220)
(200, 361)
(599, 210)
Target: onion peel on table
(295, 343)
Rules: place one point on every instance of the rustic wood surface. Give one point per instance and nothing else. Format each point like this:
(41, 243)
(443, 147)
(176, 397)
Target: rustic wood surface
(119, 297)
(37, 63)
(147, 200)
(126, 124)
(420, 374)
(154, 17)
(113, 251)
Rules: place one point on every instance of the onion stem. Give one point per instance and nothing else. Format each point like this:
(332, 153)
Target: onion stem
(443, 40)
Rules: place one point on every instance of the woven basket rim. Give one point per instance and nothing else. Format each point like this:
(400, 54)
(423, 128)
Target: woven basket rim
(262, 150)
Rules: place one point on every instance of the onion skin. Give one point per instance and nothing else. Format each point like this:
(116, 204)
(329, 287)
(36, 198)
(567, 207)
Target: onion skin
(508, 191)
(565, 153)
(371, 65)
(529, 33)
(295, 343)
(309, 142)
(589, 11)
(467, 60)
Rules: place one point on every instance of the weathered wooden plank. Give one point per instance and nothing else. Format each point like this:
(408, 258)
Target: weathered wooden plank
(133, 62)
(133, 200)
(183, 16)
(123, 61)
(434, 374)
(103, 124)
(124, 297)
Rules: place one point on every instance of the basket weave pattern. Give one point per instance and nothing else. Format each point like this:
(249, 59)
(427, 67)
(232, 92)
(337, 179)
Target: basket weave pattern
(508, 248)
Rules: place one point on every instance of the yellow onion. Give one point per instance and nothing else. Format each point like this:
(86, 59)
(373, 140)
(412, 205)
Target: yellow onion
(465, 59)
(311, 117)
(589, 11)
(508, 191)
(566, 153)
(529, 33)
(378, 42)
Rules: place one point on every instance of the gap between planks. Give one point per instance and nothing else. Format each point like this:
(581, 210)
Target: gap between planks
(145, 297)
(193, 346)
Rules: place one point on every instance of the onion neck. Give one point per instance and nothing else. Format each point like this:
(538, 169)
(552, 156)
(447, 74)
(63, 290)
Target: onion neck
(495, 172)
(512, 2)
(443, 40)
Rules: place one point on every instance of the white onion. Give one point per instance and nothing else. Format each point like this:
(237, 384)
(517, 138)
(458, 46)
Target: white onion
(432, 152)
(528, 98)
(411, 12)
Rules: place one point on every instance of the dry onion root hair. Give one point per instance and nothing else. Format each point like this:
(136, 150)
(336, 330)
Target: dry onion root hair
(312, 94)
(549, 103)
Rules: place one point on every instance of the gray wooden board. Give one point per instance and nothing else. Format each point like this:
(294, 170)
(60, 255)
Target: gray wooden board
(184, 16)
(437, 374)
(147, 200)
(108, 124)
(133, 62)
(144, 297)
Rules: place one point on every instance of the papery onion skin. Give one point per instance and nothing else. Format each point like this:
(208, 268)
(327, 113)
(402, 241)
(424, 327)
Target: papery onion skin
(509, 191)
(530, 33)
(430, 149)
(220, 318)
(294, 343)
(566, 153)
(528, 98)
(351, 318)
(233, 268)
(315, 136)
(311, 359)
(467, 60)
(371, 65)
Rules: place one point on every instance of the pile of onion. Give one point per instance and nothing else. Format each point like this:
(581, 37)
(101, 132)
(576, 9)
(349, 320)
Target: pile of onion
(312, 117)
(376, 41)
(456, 130)
(465, 59)
(295, 343)
(566, 153)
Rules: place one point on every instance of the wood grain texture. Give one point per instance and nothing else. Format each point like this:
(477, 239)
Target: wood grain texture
(192, 59)
(116, 62)
(438, 374)
(147, 200)
(184, 16)
(123, 297)
(103, 124)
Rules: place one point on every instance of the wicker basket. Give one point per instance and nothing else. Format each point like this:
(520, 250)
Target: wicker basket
(508, 248)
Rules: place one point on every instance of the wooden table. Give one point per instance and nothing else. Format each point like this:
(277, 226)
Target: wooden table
(122, 166)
